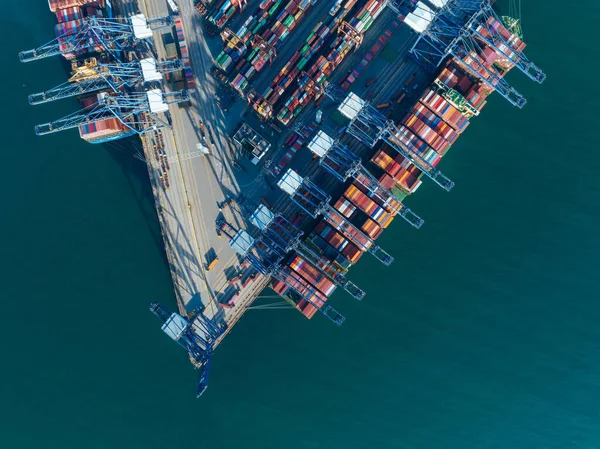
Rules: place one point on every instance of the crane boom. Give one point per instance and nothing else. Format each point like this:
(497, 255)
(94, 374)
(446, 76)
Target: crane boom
(113, 35)
(93, 76)
(133, 110)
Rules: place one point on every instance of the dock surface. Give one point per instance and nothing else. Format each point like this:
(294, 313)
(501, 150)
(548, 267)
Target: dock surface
(188, 208)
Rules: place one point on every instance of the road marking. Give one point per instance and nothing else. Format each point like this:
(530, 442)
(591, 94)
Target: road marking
(190, 215)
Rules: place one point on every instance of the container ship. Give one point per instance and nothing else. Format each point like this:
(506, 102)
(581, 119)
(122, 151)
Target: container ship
(431, 125)
(373, 158)
(226, 11)
(107, 67)
(70, 15)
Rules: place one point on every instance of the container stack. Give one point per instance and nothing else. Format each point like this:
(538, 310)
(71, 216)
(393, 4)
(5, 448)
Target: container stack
(336, 240)
(368, 206)
(310, 82)
(104, 131)
(443, 109)
(292, 144)
(437, 119)
(309, 280)
(56, 5)
(482, 64)
(268, 10)
(226, 12)
(304, 287)
(283, 21)
(288, 74)
(63, 31)
(70, 15)
(350, 233)
(427, 129)
(328, 252)
(185, 56)
(358, 218)
(223, 14)
(461, 85)
(406, 175)
(438, 124)
(335, 246)
(510, 46)
(312, 46)
(236, 46)
(390, 203)
(315, 277)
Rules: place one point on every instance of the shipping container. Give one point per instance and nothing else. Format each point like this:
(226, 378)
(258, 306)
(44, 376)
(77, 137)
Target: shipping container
(68, 14)
(104, 131)
(64, 4)
(338, 241)
(368, 205)
(313, 275)
(326, 64)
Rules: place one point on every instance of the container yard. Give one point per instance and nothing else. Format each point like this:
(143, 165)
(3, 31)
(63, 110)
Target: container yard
(282, 137)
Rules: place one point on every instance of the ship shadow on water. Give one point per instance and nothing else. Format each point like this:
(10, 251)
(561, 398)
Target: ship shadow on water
(129, 155)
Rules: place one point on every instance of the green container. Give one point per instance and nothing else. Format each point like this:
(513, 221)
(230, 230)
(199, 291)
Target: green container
(288, 21)
(305, 49)
(302, 63)
(274, 8)
(398, 193)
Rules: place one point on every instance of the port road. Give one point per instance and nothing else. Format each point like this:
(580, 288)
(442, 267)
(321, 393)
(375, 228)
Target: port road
(197, 184)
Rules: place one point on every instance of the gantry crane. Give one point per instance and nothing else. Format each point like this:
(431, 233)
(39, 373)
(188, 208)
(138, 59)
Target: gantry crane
(483, 25)
(455, 98)
(91, 76)
(351, 34)
(264, 48)
(314, 201)
(196, 334)
(267, 260)
(464, 30)
(397, 6)
(137, 111)
(287, 237)
(368, 125)
(342, 163)
(231, 39)
(113, 35)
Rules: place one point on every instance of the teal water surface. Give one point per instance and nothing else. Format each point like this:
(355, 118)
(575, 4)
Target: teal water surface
(483, 334)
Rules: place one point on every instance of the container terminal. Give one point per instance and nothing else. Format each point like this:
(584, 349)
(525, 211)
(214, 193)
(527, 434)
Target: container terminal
(281, 137)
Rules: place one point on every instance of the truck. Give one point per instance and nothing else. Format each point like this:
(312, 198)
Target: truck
(371, 81)
(410, 80)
